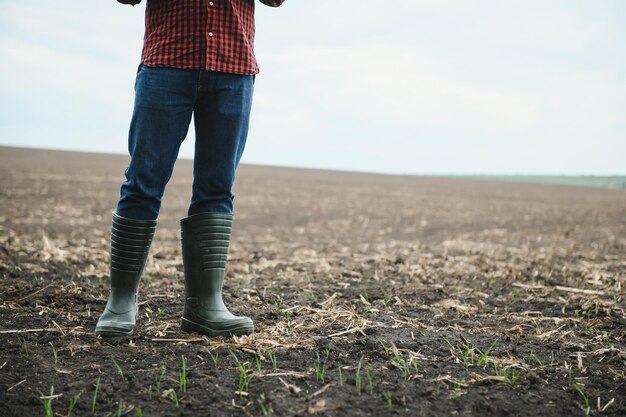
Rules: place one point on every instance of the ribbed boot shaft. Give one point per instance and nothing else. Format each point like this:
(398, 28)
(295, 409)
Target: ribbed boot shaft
(207, 236)
(130, 243)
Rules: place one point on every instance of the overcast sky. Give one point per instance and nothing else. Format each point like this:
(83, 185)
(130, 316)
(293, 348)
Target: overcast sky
(398, 86)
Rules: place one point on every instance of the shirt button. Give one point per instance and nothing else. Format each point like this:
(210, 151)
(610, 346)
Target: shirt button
(210, 3)
(210, 34)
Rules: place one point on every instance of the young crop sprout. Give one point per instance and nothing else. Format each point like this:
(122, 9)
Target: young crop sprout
(385, 348)
(512, 375)
(257, 361)
(244, 376)
(55, 353)
(370, 381)
(272, 355)
(387, 397)
(172, 394)
(95, 396)
(266, 409)
(72, 403)
(289, 322)
(158, 382)
(340, 375)
(214, 358)
(120, 408)
(120, 372)
(357, 379)
(47, 402)
(482, 360)
(320, 369)
(416, 366)
(467, 355)
(182, 375)
(401, 364)
(447, 340)
(457, 387)
(23, 344)
(534, 357)
(587, 408)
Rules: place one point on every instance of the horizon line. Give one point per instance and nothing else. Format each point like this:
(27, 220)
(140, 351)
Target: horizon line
(318, 168)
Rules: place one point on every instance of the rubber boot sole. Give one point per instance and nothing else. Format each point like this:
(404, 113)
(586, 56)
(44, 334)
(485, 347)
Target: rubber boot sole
(106, 331)
(233, 330)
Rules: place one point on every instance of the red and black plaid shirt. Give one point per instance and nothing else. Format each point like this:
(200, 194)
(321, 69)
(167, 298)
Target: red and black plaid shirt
(212, 35)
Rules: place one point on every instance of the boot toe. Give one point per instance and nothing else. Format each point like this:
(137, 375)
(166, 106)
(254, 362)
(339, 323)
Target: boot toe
(114, 329)
(113, 324)
(235, 326)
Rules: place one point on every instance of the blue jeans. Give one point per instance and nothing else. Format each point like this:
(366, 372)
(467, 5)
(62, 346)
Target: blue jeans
(165, 99)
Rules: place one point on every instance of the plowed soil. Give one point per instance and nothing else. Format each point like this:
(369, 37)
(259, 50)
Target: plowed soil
(371, 294)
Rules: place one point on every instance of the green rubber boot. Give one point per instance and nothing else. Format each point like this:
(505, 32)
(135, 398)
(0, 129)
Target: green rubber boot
(205, 240)
(130, 242)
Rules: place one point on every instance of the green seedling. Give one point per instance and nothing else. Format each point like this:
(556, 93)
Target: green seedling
(139, 412)
(387, 397)
(55, 353)
(172, 394)
(512, 375)
(150, 393)
(215, 358)
(357, 379)
(120, 408)
(244, 376)
(182, 375)
(259, 364)
(148, 312)
(47, 402)
(385, 348)
(401, 364)
(72, 403)
(498, 368)
(542, 364)
(340, 375)
(289, 322)
(320, 369)
(272, 355)
(534, 357)
(265, 409)
(587, 408)
(467, 355)
(279, 302)
(95, 396)
(310, 296)
(447, 340)
(457, 387)
(482, 359)
(158, 381)
(23, 344)
(120, 372)
(415, 365)
(370, 381)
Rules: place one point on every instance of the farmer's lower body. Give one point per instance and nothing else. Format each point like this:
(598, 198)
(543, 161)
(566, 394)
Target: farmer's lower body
(165, 100)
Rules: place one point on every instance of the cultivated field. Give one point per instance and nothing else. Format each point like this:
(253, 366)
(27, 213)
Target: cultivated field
(372, 295)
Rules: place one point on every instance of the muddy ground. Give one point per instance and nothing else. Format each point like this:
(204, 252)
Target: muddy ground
(372, 295)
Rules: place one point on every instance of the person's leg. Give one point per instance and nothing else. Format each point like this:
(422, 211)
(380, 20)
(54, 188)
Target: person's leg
(221, 119)
(164, 100)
